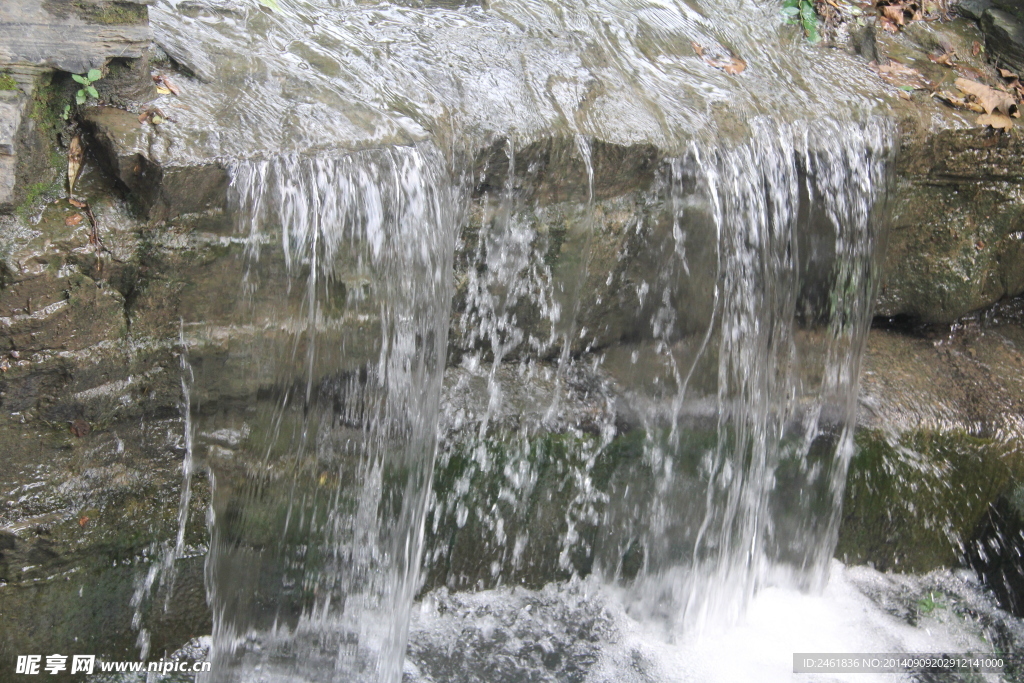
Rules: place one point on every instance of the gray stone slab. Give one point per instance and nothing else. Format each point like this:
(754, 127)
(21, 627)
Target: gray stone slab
(12, 105)
(1004, 38)
(973, 9)
(70, 36)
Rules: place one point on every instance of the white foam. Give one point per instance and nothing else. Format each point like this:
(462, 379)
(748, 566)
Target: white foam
(860, 611)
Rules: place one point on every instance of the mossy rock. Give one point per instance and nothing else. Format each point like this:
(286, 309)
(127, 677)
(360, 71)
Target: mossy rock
(996, 549)
(912, 505)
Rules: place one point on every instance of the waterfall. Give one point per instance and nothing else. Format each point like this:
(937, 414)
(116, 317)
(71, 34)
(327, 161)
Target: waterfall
(794, 278)
(735, 377)
(658, 278)
(317, 517)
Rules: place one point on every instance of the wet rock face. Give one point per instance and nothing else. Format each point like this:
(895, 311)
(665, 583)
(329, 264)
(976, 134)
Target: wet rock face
(996, 548)
(1004, 36)
(90, 341)
(956, 236)
(73, 36)
(939, 445)
(129, 149)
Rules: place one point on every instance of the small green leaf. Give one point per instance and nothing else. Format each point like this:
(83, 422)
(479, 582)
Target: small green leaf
(80, 97)
(791, 11)
(270, 4)
(80, 79)
(809, 19)
(94, 75)
(907, 88)
(156, 119)
(67, 111)
(92, 92)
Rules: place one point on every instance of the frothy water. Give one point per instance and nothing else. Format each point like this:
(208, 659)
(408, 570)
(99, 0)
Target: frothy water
(580, 632)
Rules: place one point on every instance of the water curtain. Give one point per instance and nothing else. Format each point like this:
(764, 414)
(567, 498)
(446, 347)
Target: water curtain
(317, 513)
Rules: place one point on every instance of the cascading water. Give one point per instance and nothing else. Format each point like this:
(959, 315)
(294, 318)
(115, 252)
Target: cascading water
(663, 282)
(740, 381)
(317, 513)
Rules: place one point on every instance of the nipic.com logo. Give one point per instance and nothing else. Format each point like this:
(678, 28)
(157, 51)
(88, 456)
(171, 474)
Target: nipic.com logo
(87, 664)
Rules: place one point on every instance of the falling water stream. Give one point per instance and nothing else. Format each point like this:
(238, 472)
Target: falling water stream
(659, 253)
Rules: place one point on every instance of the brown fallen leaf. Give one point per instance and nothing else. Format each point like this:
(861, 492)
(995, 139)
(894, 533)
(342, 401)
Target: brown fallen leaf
(83, 520)
(945, 59)
(894, 14)
(1013, 81)
(730, 64)
(991, 99)
(997, 121)
(975, 48)
(75, 203)
(153, 116)
(960, 102)
(80, 428)
(75, 156)
(900, 75)
(74, 219)
(164, 85)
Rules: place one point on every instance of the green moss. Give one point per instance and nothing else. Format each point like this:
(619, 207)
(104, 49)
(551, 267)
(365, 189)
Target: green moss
(35, 192)
(910, 506)
(7, 82)
(556, 236)
(47, 104)
(118, 13)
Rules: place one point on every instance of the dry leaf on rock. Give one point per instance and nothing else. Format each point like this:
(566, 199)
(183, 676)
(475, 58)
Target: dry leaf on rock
(989, 98)
(945, 59)
(73, 220)
(730, 64)
(164, 85)
(74, 202)
(1014, 81)
(894, 14)
(996, 121)
(900, 75)
(75, 156)
(960, 102)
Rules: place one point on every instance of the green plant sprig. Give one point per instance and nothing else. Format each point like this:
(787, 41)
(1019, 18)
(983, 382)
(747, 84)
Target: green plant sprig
(802, 12)
(87, 90)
